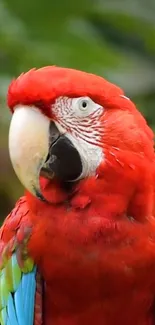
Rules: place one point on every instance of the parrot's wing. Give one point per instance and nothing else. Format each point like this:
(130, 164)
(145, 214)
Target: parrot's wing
(17, 293)
(18, 280)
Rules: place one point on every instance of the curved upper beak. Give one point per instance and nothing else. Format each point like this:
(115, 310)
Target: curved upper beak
(29, 145)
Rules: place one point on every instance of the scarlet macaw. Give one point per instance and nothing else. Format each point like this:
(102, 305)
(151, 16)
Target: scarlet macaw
(79, 246)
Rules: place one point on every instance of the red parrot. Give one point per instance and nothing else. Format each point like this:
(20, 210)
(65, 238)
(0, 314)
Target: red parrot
(79, 246)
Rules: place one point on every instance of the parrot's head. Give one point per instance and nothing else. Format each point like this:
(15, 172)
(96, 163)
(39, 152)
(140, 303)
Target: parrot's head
(70, 126)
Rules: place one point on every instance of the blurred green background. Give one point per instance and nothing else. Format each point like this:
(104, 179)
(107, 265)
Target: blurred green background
(113, 38)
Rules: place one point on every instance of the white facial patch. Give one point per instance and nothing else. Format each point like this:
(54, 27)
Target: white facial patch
(91, 155)
(79, 119)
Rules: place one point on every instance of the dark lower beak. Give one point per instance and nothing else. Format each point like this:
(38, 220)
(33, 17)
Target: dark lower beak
(63, 160)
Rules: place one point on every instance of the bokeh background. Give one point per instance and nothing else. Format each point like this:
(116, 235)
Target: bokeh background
(113, 38)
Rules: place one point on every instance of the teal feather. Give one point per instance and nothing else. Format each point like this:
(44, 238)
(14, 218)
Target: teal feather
(11, 312)
(29, 286)
(18, 300)
(9, 321)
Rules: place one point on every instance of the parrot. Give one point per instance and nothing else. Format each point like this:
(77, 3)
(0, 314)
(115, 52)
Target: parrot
(78, 248)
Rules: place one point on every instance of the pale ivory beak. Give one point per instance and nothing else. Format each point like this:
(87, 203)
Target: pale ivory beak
(29, 145)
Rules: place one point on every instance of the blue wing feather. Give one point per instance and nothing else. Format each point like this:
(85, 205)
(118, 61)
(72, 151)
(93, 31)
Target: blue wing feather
(11, 311)
(19, 305)
(9, 321)
(29, 285)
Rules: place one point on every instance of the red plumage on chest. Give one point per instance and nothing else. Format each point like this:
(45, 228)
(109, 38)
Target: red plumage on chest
(95, 267)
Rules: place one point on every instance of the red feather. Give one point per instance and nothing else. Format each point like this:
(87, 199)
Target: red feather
(41, 87)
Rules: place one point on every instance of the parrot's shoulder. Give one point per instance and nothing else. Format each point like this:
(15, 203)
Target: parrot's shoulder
(19, 279)
(17, 218)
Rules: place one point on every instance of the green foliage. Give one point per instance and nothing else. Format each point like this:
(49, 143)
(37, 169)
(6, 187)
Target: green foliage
(113, 38)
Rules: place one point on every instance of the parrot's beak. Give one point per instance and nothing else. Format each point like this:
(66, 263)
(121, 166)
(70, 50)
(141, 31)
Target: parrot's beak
(29, 145)
(40, 146)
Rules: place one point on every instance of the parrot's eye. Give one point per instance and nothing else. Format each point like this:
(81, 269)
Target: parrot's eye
(84, 106)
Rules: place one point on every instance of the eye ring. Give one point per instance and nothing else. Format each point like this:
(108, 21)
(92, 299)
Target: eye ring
(83, 105)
